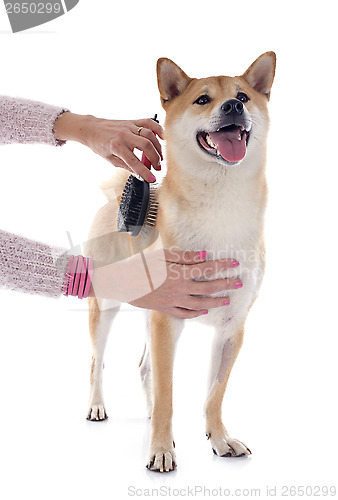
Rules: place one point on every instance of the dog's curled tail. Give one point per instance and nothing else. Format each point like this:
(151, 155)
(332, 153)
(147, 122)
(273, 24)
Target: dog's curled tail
(113, 187)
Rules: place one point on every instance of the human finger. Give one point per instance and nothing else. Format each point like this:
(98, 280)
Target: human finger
(136, 165)
(146, 133)
(117, 162)
(180, 312)
(196, 303)
(213, 286)
(207, 268)
(145, 145)
(189, 258)
(151, 125)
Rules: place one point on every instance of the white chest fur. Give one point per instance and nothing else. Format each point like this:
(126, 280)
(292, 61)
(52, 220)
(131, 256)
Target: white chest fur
(224, 217)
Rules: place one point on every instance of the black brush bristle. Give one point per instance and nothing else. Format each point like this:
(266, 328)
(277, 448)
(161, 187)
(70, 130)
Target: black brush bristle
(138, 206)
(133, 206)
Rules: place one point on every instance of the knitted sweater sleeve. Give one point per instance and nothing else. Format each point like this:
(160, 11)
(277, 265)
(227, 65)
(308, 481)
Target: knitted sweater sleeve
(27, 122)
(32, 267)
(26, 265)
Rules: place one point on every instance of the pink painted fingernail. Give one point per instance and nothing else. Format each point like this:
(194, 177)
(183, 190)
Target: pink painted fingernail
(235, 263)
(152, 178)
(226, 303)
(202, 255)
(205, 312)
(238, 284)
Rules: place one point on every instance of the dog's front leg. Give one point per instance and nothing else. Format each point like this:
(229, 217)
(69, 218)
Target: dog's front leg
(165, 331)
(225, 350)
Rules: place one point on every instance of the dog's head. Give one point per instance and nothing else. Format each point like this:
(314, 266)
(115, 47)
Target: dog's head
(217, 120)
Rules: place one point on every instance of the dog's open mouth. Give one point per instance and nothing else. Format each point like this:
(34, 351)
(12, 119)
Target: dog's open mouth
(229, 142)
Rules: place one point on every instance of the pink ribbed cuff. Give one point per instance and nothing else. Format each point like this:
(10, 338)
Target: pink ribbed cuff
(78, 276)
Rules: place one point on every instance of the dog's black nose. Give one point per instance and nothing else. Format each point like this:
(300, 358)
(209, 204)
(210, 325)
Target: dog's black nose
(232, 107)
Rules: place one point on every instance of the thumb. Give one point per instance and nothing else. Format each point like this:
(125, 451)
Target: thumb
(117, 162)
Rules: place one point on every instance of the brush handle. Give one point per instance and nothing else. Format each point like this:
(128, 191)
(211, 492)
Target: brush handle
(144, 159)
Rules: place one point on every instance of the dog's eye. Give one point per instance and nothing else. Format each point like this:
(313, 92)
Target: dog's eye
(242, 97)
(203, 99)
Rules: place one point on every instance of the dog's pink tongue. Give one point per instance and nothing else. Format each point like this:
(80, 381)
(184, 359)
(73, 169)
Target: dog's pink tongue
(228, 144)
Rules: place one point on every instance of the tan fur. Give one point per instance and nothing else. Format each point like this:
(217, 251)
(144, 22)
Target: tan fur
(162, 351)
(94, 315)
(203, 205)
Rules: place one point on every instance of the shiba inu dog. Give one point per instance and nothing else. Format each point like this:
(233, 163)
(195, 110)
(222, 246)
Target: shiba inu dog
(213, 197)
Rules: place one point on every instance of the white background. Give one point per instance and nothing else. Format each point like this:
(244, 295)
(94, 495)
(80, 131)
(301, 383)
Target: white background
(100, 59)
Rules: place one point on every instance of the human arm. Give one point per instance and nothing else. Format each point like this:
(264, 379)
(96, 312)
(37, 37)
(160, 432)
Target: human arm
(115, 140)
(168, 284)
(30, 266)
(25, 121)
(36, 268)
(28, 122)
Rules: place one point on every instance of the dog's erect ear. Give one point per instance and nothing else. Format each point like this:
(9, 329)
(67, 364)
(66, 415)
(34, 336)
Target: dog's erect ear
(261, 73)
(171, 80)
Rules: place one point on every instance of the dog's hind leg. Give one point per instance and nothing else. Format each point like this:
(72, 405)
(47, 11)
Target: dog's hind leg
(99, 325)
(165, 331)
(225, 350)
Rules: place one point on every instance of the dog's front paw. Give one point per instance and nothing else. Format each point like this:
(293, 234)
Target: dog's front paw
(162, 460)
(224, 446)
(97, 413)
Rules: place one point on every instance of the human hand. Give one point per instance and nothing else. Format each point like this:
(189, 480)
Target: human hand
(173, 289)
(115, 140)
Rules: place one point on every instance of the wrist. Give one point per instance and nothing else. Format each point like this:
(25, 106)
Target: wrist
(96, 280)
(72, 127)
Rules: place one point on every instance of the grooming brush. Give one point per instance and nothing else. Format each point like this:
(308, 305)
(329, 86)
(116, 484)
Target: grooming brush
(138, 205)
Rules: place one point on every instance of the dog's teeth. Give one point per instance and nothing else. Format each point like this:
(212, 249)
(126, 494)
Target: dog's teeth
(242, 128)
(239, 138)
(209, 141)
